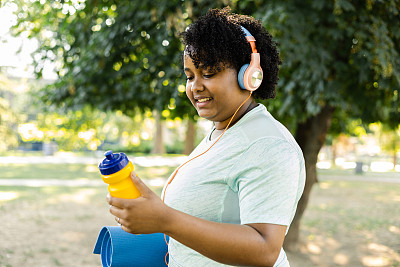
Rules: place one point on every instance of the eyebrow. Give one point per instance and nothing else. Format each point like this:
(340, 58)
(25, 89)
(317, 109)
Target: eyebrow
(200, 67)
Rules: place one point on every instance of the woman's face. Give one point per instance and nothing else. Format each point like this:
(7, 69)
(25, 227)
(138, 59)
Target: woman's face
(215, 95)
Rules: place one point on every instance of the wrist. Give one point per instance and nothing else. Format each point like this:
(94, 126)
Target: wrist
(168, 220)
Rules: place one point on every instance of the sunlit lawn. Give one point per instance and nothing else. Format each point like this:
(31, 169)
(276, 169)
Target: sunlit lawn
(347, 223)
(353, 223)
(56, 225)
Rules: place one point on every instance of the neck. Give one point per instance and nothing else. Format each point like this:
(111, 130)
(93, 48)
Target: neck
(249, 105)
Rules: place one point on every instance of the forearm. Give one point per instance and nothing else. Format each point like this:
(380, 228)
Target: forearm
(226, 243)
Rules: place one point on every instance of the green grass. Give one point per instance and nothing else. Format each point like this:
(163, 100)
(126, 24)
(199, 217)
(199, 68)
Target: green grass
(63, 172)
(356, 219)
(90, 171)
(48, 171)
(17, 153)
(72, 171)
(354, 205)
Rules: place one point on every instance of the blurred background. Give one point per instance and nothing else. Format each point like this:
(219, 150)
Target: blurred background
(78, 78)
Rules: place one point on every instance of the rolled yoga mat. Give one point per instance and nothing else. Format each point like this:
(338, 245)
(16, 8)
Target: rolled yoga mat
(121, 249)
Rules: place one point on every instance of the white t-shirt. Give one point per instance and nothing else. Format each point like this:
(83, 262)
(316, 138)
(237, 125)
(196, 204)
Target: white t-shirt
(254, 174)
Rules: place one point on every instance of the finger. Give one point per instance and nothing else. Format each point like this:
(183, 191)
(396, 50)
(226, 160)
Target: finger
(118, 220)
(116, 202)
(117, 212)
(142, 187)
(108, 198)
(126, 229)
(121, 224)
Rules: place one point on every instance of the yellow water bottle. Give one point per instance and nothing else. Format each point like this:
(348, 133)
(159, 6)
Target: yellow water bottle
(116, 171)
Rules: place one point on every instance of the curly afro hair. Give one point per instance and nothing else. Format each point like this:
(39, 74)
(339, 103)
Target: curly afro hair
(216, 41)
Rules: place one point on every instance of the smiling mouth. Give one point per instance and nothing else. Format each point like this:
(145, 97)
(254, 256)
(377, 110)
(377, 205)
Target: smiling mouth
(203, 99)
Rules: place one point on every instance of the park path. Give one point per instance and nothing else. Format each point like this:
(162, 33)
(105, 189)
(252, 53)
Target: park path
(145, 161)
(66, 158)
(360, 178)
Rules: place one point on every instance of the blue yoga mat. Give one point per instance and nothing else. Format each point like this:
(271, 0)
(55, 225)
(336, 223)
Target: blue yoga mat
(121, 249)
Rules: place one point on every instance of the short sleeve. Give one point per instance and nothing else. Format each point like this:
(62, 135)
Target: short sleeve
(267, 178)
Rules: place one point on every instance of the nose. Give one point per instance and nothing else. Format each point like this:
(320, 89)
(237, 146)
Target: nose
(196, 85)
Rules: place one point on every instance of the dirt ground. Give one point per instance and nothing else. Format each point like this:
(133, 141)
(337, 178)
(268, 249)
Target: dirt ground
(56, 226)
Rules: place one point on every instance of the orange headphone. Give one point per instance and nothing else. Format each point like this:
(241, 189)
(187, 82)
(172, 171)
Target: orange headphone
(250, 75)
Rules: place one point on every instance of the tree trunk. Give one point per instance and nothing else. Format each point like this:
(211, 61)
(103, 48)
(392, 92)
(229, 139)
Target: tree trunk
(333, 161)
(190, 137)
(310, 135)
(158, 147)
(394, 147)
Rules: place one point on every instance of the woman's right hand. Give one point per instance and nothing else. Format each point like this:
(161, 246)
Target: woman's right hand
(143, 215)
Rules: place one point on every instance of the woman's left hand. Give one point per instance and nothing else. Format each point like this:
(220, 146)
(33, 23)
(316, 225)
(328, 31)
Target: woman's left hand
(143, 215)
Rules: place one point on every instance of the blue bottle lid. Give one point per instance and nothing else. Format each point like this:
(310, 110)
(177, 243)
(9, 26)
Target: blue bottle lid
(113, 162)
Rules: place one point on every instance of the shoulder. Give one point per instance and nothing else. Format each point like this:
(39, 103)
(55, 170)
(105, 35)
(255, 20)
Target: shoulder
(269, 150)
(260, 128)
(260, 123)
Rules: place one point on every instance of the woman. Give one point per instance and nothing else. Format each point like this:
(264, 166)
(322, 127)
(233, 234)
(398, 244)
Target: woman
(232, 205)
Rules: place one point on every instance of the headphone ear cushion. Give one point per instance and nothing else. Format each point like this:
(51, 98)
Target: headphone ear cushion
(241, 76)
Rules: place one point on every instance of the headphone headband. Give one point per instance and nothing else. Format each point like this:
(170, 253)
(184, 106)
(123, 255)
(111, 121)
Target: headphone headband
(245, 31)
(250, 75)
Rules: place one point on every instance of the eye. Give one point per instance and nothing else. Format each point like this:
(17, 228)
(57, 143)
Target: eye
(189, 78)
(208, 75)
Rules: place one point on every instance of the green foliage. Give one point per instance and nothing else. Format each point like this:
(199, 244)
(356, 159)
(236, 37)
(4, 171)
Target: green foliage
(338, 53)
(112, 55)
(83, 129)
(75, 130)
(389, 139)
(88, 129)
(125, 55)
